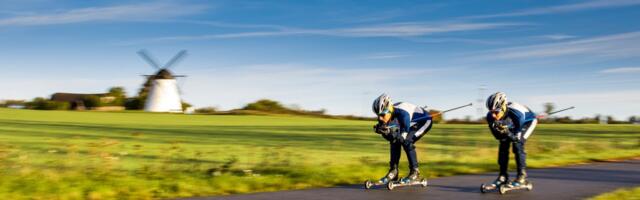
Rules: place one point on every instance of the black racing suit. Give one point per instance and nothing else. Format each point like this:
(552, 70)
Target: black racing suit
(520, 123)
(415, 122)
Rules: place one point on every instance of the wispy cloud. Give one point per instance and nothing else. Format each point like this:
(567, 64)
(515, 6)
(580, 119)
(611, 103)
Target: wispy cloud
(386, 55)
(219, 24)
(456, 40)
(413, 29)
(557, 36)
(111, 13)
(621, 70)
(582, 6)
(400, 30)
(617, 45)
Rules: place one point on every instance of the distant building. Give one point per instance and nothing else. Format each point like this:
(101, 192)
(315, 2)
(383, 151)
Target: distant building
(16, 106)
(76, 101)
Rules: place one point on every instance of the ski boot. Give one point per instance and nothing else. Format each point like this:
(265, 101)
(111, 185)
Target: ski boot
(519, 183)
(391, 176)
(501, 180)
(409, 180)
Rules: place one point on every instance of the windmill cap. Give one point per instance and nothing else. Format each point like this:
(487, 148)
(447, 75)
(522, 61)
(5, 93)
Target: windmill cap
(163, 74)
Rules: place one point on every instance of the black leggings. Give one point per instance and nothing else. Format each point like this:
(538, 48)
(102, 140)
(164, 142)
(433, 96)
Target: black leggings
(518, 151)
(409, 148)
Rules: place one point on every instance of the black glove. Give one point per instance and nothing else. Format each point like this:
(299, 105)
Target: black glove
(514, 137)
(387, 132)
(401, 137)
(382, 129)
(500, 127)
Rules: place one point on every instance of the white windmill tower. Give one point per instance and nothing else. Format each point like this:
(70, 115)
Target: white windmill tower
(164, 95)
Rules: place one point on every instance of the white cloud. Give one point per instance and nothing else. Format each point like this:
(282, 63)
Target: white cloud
(558, 36)
(112, 13)
(407, 29)
(617, 45)
(386, 55)
(412, 29)
(621, 70)
(582, 6)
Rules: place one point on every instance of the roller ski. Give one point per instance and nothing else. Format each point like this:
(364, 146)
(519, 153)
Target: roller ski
(411, 180)
(517, 184)
(501, 180)
(391, 176)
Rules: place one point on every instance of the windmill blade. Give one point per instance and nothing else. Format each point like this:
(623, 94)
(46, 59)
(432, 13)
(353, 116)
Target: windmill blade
(143, 53)
(180, 84)
(175, 59)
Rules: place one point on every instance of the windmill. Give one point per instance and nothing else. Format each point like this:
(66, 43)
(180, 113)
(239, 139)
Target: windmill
(161, 88)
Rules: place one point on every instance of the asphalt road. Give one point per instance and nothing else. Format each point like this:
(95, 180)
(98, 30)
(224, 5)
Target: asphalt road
(571, 182)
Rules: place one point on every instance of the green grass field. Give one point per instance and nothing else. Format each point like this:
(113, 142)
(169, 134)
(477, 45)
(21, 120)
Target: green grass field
(624, 193)
(133, 155)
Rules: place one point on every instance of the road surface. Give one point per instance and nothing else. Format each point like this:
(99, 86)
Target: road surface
(570, 182)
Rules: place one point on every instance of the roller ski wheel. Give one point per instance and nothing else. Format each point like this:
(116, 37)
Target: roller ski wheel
(503, 189)
(391, 185)
(508, 187)
(394, 184)
(484, 188)
(368, 184)
(423, 182)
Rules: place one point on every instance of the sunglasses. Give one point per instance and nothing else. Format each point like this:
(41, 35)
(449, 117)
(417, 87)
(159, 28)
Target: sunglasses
(384, 112)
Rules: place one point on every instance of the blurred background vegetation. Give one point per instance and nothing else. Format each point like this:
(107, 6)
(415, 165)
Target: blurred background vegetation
(137, 155)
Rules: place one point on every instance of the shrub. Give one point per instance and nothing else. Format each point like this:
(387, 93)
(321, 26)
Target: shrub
(40, 103)
(135, 103)
(207, 110)
(266, 105)
(92, 101)
(185, 105)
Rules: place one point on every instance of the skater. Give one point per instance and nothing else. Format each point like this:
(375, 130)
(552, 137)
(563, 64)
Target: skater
(511, 124)
(402, 124)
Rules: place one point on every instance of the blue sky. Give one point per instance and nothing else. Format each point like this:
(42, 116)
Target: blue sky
(337, 55)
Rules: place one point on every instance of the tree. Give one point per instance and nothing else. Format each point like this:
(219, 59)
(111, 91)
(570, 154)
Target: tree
(265, 105)
(610, 119)
(185, 105)
(120, 95)
(92, 101)
(549, 107)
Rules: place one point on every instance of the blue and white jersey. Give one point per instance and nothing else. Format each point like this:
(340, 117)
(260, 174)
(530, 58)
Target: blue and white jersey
(518, 118)
(411, 119)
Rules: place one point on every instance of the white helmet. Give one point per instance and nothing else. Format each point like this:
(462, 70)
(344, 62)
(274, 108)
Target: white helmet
(497, 101)
(381, 104)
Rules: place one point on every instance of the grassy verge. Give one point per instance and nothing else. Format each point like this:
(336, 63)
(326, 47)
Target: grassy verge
(94, 155)
(625, 193)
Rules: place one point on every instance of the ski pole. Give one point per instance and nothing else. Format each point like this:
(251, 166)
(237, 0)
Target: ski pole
(554, 112)
(452, 109)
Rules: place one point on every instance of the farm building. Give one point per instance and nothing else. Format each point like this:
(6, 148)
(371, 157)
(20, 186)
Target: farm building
(77, 101)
